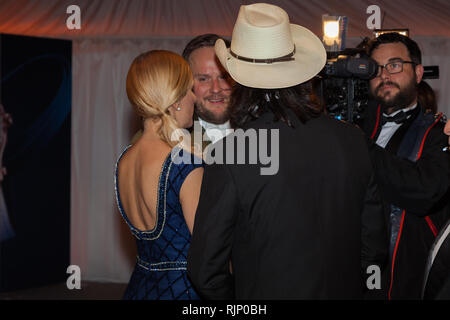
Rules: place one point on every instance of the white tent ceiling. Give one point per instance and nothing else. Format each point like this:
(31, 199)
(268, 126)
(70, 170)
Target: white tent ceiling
(173, 18)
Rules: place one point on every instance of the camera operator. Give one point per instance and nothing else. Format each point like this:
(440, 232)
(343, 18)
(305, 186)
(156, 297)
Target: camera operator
(406, 146)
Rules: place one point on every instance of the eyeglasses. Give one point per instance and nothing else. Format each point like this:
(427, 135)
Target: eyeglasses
(393, 67)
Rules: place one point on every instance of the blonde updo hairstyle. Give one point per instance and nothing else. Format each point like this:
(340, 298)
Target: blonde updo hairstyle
(157, 80)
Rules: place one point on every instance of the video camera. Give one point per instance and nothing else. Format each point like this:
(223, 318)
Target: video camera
(344, 83)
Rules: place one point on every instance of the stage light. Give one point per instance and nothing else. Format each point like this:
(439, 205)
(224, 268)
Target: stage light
(334, 32)
(378, 32)
(331, 29)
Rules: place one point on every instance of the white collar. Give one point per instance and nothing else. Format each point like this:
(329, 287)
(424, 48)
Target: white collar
(389, 128)
(404, 110)
(207, 125)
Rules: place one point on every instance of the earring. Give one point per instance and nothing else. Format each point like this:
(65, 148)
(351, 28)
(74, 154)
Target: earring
(178, 108)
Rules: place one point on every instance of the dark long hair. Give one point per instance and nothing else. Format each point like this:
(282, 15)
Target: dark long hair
(250, 103)
(426, 96)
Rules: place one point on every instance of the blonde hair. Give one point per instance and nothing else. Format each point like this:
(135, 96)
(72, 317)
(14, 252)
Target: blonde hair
(156, 80)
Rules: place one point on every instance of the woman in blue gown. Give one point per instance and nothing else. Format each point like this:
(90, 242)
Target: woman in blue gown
(157, 194)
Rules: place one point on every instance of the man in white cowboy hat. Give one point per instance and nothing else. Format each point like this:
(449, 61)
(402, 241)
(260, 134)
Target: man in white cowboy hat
(311, 230)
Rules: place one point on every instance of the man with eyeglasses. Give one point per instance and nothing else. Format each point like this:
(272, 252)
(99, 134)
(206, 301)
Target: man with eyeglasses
(406, 146)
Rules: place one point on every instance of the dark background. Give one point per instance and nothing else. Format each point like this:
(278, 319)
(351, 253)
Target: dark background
(36, 90)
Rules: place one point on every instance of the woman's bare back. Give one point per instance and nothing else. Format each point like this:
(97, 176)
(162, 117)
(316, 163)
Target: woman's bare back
(138, 178)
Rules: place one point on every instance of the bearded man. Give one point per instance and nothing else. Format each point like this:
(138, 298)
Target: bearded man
(406, 146)
(212, 88)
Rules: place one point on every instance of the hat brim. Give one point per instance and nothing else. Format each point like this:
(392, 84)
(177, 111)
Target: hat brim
(309, 59)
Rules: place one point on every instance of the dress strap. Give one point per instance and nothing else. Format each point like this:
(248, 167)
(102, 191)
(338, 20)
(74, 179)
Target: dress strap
(117, 193)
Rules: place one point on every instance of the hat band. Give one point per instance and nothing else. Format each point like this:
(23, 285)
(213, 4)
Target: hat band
(288, 57)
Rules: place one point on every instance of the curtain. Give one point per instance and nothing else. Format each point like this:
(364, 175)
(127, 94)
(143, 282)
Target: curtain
(436, 51)
(103, 123)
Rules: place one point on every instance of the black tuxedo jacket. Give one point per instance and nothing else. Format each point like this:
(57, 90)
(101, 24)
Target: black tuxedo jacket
(419, 188)
(308, 232)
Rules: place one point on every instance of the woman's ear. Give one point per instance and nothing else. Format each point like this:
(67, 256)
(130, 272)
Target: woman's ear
(172, 109)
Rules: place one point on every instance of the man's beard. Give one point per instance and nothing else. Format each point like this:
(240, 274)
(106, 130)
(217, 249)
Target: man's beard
(211, 117)
(403, 99)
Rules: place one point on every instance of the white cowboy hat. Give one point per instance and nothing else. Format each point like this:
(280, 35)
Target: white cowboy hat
(268, 52)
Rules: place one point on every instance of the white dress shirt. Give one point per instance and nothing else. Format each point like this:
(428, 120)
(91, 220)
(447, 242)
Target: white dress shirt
(389, 128)
(215, 131)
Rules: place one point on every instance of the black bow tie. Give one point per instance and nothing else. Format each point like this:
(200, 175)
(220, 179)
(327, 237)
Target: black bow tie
(398, 118)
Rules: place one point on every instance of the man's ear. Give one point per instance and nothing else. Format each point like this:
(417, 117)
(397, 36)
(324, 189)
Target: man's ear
(419, 72)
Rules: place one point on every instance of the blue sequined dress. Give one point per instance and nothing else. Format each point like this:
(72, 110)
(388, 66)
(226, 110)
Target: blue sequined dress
(160, 271)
